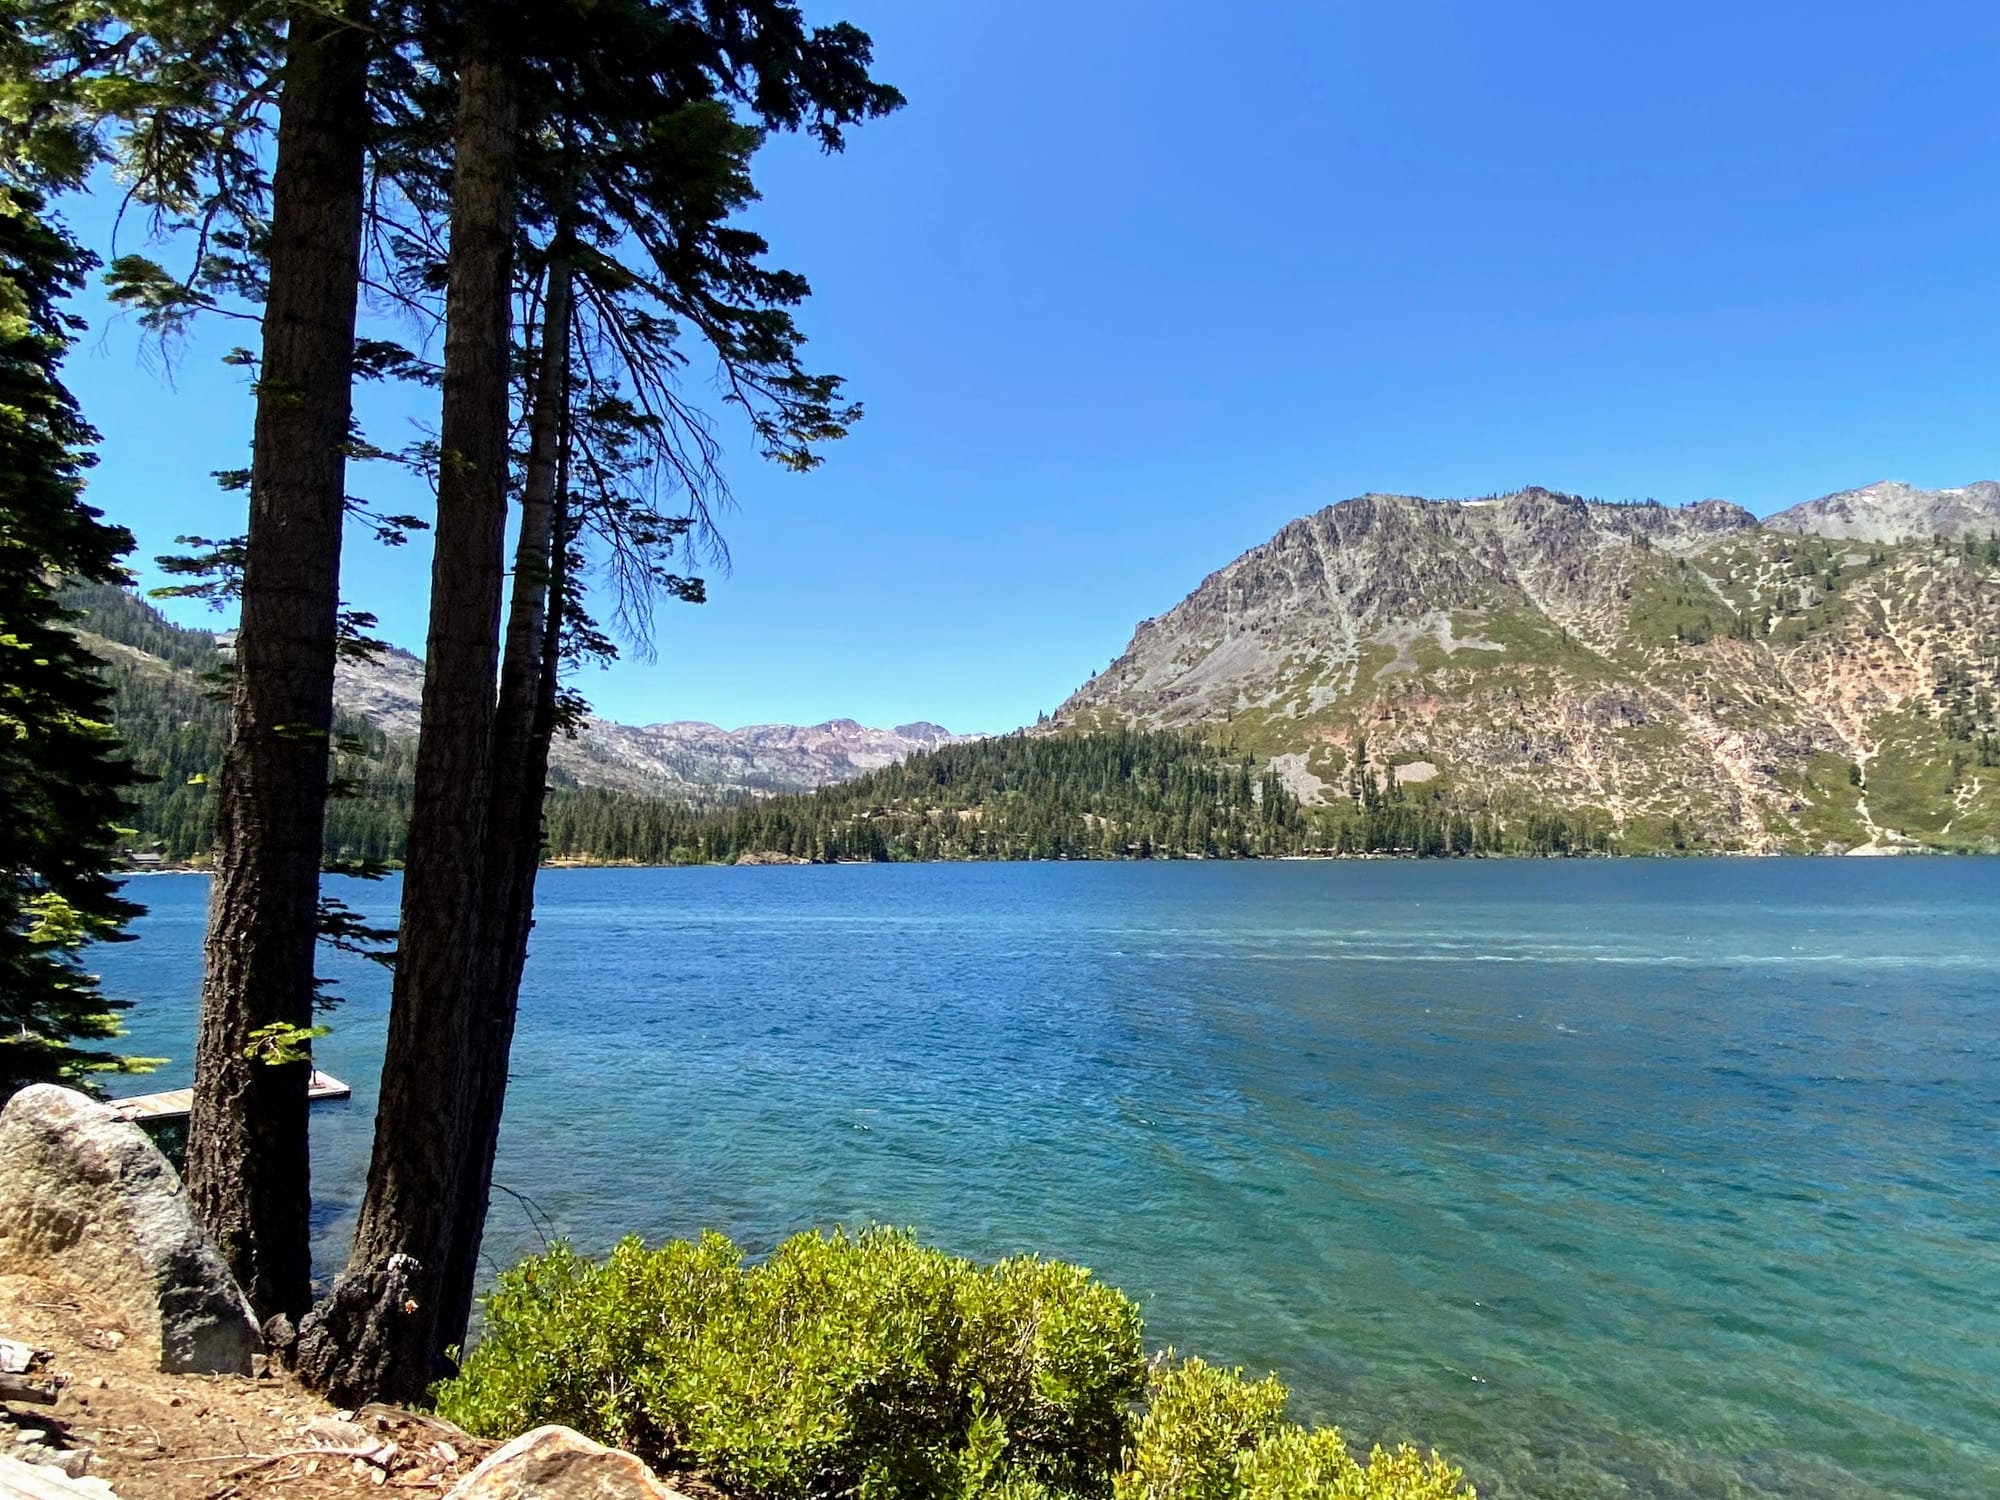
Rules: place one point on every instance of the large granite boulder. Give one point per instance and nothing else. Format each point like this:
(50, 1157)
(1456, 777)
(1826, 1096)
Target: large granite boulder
(558, 1463)
(86, 1198)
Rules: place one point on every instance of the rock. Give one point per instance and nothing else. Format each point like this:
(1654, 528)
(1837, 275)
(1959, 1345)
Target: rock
(19, 1359)
(334, 1432)
(86, 1198)
(33, 1482)
(71, 1462)
(556, 1463)
(280, 1336)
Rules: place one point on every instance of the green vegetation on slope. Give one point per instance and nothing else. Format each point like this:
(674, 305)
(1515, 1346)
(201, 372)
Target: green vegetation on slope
(168, 701)
(164, 700)
(1759, 692)
(1112, 794)
(874, 1366)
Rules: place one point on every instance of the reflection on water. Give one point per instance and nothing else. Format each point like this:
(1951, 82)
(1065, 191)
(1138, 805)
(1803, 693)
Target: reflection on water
(1610, 1179)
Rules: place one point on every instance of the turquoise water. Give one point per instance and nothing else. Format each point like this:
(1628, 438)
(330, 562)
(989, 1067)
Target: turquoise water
(1648, 1179)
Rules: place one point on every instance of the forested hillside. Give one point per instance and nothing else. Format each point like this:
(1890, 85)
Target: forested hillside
(1114, 792)
(1118, 794)
(1102, 787)
(1121, 794)
(166, 706)
(168, 702)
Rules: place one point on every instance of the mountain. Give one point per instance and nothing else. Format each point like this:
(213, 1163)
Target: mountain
(604, 782)
(1891, 511)
(1522, 673)
(685, 761)
(1688, 677)
(701, 762)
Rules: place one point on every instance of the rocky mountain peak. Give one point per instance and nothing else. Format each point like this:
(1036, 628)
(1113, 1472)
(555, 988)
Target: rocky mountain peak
(685, 761)
(1891, 511)
(1534, 650)
(1330, 584)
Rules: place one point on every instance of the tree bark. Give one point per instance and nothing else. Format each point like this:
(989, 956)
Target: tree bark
(248, 1169)
(522, 729)
(377, 1333)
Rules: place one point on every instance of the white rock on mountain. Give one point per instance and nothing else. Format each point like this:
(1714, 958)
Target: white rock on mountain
(696, 758)
(683, 759)
(1289, 620)
(1891, 511)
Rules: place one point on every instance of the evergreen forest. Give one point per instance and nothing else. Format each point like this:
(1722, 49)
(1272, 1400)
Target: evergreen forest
(1110, 794)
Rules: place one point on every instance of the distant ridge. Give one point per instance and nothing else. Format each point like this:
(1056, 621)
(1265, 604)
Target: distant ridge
(1891, 511)
(692, 762)
(686, 759)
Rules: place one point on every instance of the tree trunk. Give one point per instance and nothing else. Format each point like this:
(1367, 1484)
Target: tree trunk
(522, 729)
(377, 1333)
(248, 1171)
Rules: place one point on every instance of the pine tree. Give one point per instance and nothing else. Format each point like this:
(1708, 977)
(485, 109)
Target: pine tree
(248, 1164)
(633, 75)
(179, 98)
(61, 775)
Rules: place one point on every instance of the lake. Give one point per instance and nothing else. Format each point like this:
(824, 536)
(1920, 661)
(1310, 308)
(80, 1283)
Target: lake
(1633, 1179)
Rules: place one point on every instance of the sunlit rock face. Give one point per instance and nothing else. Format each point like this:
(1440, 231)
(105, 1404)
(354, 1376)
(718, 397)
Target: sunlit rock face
(1891, 511)
(1684, 669)
(686, 760)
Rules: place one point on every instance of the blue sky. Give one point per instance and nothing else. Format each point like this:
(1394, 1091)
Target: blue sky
(1128, 286)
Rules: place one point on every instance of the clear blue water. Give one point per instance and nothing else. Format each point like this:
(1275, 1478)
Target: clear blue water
(1649, 1179)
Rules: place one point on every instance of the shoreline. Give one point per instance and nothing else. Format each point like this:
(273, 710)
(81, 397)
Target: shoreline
(1922, 852)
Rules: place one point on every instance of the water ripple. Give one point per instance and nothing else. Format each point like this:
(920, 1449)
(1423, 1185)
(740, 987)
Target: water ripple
(1665, 1180)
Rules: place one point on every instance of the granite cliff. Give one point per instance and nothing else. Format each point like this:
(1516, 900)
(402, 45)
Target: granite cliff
(684, 760)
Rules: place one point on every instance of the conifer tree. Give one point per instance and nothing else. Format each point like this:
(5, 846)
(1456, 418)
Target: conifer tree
(178, 94)
(249, 1169)
(654, 91)
(61, 774)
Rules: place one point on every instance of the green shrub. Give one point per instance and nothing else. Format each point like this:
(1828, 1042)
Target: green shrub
(1209, 1434)
(843, 1364)
(1199, 1423)
(573, 1341)
(874, 1367)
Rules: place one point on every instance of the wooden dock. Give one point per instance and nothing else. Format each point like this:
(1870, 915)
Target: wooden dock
(175, 1104)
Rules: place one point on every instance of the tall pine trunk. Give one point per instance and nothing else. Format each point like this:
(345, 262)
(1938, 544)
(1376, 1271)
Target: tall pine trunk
(248, 1171)
(378, 1332)
(522, 729)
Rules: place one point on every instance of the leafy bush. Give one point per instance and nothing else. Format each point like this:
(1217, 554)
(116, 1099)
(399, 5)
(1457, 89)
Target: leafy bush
(873, 1366)
(571, 1340)
(1199, 1422)
(1209, 1434)
(867, 1364)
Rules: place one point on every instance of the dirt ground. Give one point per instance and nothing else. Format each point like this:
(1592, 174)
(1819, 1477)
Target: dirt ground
(207, 1437)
